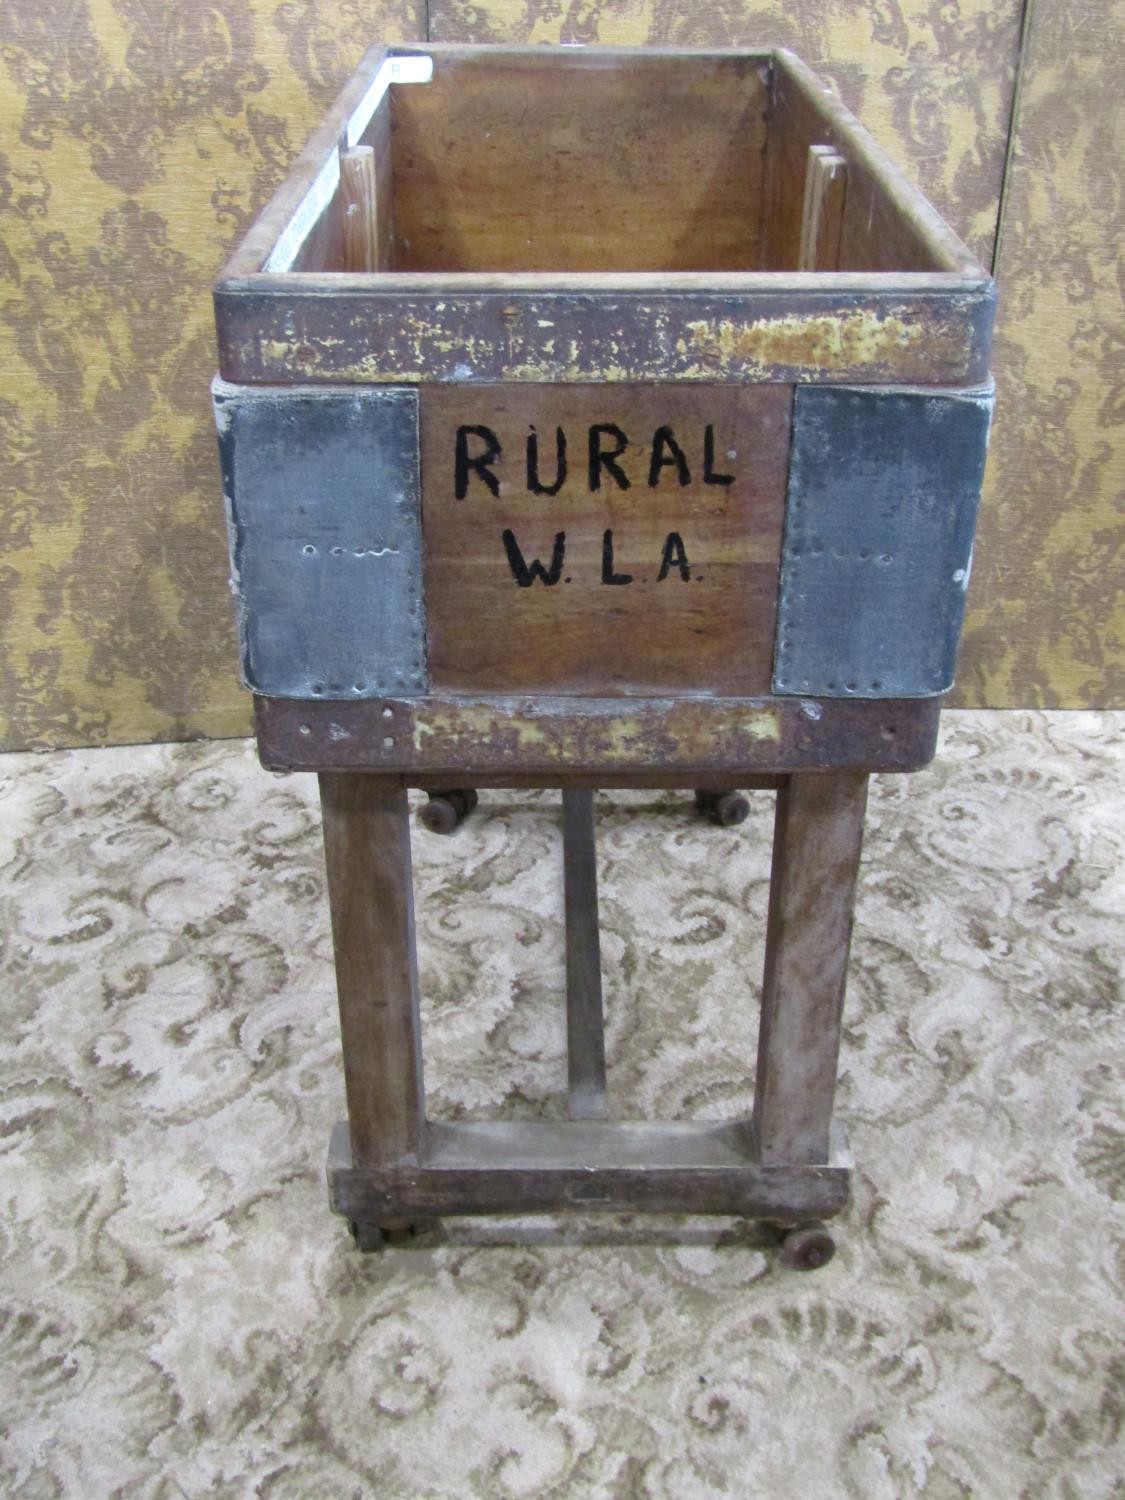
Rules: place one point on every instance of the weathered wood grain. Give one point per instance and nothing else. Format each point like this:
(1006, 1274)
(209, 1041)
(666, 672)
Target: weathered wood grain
(462, 741)
(669, 585)
(532, 1166)
(584, 301)
(887, 224)
(818, 833)
(367, 853)
(585, 1023)
(377, 135)
(824, 328)
(822, 219)
(357, 186)
(532, 160)
(636, 780)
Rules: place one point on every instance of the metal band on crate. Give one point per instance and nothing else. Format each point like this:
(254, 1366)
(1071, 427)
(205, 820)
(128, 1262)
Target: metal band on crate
(881, 507)
(322, 494)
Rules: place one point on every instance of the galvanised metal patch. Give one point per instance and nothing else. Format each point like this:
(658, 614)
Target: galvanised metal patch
(882, 502)
(322, 493)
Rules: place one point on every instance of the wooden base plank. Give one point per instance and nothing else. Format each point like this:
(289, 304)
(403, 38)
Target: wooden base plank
(501, 1167)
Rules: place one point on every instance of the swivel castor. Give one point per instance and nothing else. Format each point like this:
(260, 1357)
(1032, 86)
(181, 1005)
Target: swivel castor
(726, 809)
(446, 811)
(807, 1247)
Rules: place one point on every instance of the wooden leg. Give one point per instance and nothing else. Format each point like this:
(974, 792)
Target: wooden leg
(818, 833)
(367, 849)
(585, 1027)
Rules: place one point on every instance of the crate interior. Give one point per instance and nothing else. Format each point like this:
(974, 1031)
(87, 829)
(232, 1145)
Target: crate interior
(548, 161)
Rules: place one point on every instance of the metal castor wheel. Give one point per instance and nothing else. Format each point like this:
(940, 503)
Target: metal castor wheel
(807, 1248)
(726, 809)
(446, 811)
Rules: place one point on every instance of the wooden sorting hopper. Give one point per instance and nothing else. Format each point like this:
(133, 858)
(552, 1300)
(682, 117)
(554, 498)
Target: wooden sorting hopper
(597, 418)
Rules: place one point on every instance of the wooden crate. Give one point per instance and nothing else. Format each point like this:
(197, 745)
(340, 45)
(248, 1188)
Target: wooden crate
(602, 417)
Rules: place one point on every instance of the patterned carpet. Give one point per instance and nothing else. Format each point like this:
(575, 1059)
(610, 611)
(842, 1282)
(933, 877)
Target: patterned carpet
(181, 1316)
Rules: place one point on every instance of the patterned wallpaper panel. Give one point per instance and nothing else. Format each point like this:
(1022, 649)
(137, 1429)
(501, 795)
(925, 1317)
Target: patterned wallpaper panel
(1048, 623)
(137, 140)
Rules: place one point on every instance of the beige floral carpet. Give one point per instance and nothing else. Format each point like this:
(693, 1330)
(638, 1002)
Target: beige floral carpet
(181, 1316)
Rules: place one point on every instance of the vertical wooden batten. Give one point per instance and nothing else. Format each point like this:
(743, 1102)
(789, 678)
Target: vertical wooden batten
(357, 186)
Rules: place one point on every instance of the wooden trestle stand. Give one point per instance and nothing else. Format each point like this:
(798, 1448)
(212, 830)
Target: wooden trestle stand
(597, 419)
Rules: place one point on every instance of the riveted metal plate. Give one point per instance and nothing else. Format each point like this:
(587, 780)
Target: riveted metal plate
(880, 513)
(322, 495)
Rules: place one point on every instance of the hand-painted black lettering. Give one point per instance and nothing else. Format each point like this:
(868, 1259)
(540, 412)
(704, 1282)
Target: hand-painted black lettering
(662, 438)
(674, 556)
(525, 574)
(534, 483)
(709, 475)
(600, 460)
(479, 463)
(608, 575)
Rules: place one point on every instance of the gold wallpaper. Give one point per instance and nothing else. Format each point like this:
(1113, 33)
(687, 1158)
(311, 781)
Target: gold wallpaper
(137, 140)
(1047, 626)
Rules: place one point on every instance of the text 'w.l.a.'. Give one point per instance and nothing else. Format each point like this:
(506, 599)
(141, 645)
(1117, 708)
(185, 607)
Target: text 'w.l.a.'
(478, 451)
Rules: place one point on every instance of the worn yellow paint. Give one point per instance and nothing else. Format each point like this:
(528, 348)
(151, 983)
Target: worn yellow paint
(833, 342)
(865, 343)
(588, 733)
